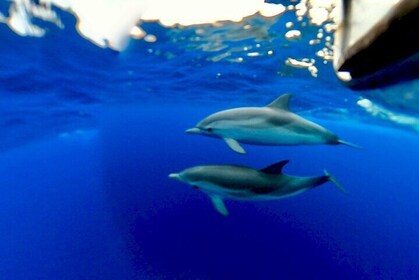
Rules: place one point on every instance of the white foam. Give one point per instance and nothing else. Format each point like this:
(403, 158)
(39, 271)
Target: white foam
(303, 63)
(386, 114)
(271, 10)
(21, 13)
(293, 34)
(192, 12)
(109, 23)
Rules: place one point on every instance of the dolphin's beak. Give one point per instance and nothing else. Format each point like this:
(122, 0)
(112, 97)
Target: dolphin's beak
(194, 130)
(174, 176)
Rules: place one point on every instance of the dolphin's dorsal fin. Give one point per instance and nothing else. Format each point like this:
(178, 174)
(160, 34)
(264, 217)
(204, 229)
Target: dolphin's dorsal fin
(218, 203)
(275, 168)
(281, 102)
(234, 145)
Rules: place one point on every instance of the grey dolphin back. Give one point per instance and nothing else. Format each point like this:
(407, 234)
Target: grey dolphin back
(275, 168)
(281, 103)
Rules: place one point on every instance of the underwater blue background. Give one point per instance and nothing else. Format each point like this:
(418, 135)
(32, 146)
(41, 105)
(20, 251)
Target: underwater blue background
(88, 137)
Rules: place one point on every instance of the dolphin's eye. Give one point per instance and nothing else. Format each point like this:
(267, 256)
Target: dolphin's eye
(209, 129)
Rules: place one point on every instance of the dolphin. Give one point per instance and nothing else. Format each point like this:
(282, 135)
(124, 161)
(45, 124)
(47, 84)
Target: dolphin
(273, 124)
(245, 183)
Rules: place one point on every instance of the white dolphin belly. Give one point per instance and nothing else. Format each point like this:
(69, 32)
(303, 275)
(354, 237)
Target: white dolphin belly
(271, 136)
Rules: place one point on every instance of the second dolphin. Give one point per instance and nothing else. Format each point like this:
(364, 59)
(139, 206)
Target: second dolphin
(244, 183)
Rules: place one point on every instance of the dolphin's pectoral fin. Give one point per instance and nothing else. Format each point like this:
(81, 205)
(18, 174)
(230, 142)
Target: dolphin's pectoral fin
(219, 205)
(281, 102)
(275, 168)
(234, 145)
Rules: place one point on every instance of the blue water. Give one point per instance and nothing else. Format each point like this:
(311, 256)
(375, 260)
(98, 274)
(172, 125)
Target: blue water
(88, 137)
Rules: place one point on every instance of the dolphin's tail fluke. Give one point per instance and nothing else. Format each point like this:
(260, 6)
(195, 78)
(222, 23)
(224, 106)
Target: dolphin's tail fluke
(349, 144)
(334, 181)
